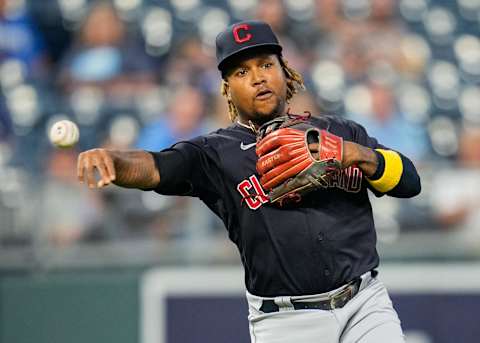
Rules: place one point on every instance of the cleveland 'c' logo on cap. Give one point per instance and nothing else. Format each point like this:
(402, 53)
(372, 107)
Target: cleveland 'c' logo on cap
(239, 36)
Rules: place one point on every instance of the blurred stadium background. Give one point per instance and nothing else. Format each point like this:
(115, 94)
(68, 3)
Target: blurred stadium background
(97, 266)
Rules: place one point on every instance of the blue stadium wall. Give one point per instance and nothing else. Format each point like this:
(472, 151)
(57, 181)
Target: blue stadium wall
(109, 306)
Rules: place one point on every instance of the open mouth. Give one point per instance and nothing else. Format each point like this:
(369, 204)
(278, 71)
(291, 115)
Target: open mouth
(264, 94)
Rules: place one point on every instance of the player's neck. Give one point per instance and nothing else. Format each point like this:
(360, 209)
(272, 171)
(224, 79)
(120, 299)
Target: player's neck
(250, 125)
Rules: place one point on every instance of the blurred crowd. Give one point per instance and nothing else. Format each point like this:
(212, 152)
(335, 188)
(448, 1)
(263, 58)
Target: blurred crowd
(142, 74)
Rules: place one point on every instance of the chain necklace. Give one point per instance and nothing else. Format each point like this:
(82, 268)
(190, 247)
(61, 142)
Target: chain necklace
(250, 125)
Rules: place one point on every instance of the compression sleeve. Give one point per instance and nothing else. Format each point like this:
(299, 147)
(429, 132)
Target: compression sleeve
(409, 184)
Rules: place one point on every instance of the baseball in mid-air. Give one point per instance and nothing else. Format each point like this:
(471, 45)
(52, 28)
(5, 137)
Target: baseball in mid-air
(64, 134)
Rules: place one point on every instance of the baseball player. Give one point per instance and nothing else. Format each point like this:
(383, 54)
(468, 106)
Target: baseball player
(292, 192)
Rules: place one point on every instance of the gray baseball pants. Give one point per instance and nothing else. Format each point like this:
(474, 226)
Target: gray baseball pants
(369, 317)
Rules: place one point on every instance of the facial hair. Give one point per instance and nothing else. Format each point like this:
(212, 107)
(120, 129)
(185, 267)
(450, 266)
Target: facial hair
(261, 118)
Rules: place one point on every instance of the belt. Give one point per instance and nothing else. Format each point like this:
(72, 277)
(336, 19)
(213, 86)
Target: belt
(332, 301)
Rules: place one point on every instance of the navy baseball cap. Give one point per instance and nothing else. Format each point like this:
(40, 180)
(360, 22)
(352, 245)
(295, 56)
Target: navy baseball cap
(243, 36)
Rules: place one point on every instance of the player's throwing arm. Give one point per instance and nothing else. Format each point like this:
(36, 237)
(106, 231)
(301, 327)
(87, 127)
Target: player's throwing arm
(130, 169)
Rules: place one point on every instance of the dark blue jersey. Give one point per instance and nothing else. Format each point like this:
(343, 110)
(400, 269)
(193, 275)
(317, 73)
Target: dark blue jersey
(315, 246)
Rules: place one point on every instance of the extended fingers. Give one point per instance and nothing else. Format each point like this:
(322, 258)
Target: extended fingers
(95, 161)
(110, 168)
(104, 176)
(90, 172)
(80, 167)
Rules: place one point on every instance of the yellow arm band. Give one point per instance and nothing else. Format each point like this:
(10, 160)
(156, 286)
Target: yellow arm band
(392, 172)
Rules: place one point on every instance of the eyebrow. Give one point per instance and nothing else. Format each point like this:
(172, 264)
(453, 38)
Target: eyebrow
(262, 58)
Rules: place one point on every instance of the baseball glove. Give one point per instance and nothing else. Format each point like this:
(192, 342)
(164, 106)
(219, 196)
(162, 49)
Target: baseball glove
(295, 158)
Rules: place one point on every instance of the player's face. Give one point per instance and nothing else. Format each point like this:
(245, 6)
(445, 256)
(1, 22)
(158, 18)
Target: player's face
(258, 88)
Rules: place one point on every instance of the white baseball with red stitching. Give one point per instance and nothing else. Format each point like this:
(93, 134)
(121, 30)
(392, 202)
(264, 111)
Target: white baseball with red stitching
(64, 134)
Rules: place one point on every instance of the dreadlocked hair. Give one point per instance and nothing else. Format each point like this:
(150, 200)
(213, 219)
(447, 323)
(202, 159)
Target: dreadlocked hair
(294, 83)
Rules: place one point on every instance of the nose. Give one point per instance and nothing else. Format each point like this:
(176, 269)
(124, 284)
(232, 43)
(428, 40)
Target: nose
(258, 77)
